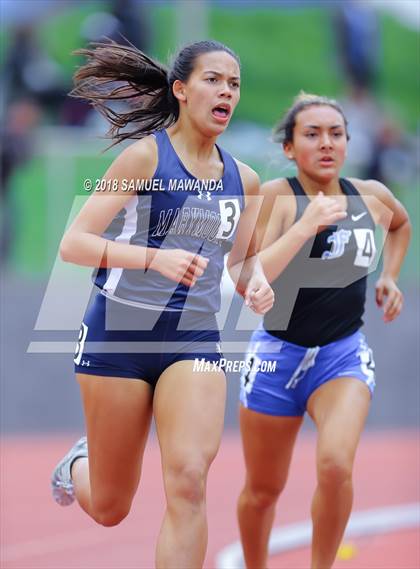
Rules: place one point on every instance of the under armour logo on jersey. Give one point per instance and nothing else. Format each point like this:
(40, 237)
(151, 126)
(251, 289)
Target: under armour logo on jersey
(204, 195)
(85, 363)
(339, 240)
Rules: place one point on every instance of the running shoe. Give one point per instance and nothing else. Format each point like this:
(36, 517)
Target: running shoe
(61, 482)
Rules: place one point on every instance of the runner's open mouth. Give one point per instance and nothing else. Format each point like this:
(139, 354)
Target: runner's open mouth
(221, 112)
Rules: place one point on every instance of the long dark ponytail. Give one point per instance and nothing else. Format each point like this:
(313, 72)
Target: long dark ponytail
(115, 72)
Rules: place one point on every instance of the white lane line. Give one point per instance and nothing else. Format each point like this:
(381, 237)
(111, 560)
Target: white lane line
(295, 536)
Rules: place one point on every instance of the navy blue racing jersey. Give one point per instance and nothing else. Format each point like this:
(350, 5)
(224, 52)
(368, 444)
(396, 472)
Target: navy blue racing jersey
(176, 210)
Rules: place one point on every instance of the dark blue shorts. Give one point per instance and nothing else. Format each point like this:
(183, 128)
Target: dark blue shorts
(120, 340)
(280, 376)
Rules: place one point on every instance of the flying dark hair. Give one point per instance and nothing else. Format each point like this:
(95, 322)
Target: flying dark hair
(122, 73)
(283, 131)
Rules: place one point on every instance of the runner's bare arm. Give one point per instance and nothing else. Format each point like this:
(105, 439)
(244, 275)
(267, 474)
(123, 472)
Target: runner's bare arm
(280, 237)
(390, 213)
(243, 263)
(82, 243)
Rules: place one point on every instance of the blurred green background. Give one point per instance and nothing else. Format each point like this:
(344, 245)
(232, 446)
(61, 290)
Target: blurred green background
(284, 47)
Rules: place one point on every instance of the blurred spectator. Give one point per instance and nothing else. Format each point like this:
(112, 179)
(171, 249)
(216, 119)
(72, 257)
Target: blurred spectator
(365, 123)
(30, 72)
(358, 42)
(133, 22)
(378, 148)
(377, 142)
(126, 20)
(20, 120)
(122, 20)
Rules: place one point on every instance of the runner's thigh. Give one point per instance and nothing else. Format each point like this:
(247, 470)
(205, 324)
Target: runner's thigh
(117, 413)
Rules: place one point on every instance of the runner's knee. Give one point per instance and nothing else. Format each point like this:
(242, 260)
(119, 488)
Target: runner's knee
(334, 470)
(185, 482)
(263, 496)
(110, 513)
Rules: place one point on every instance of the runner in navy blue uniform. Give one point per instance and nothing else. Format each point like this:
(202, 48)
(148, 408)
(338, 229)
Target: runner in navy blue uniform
(317, 243)
(173, 203)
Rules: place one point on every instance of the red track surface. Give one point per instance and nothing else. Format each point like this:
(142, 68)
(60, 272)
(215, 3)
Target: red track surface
(36, 533)
(392, 551)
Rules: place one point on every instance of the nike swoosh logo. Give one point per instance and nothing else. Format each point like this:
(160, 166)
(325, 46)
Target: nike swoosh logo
(357, 217)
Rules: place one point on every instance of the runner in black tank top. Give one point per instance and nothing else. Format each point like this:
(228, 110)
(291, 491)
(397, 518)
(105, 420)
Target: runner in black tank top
(317, 244)
(320, 314)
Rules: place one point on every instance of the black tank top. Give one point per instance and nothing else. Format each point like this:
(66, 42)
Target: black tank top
(320, 296)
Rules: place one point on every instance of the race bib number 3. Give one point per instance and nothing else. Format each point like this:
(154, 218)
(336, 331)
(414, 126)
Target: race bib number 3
(229, 217)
